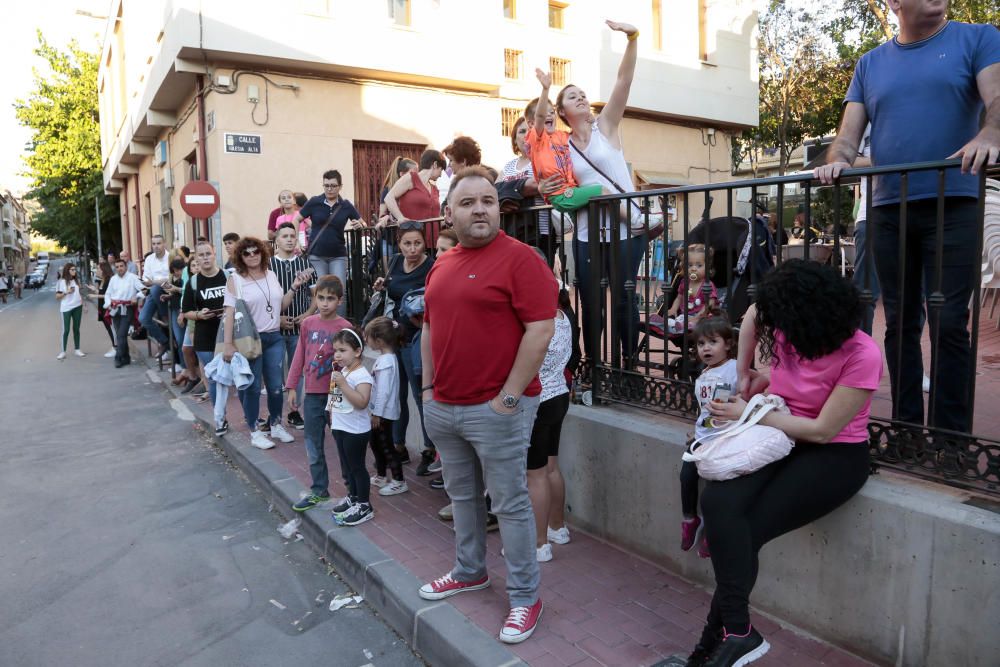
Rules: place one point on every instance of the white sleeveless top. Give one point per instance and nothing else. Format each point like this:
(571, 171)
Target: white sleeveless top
(611, 161)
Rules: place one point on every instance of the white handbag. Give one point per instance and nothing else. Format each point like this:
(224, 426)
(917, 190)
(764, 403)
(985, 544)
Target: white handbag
(744, 446)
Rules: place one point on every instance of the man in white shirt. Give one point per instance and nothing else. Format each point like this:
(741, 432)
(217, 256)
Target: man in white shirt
(124, 290)
(155, 272)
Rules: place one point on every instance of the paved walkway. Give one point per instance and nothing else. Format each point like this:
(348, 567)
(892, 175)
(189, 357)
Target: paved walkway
(603, 606)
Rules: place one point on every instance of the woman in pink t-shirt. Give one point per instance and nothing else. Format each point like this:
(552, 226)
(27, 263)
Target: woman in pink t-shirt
(805, 324)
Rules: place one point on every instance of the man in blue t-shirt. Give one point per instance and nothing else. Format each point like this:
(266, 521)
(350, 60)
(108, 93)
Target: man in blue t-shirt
(924, 93)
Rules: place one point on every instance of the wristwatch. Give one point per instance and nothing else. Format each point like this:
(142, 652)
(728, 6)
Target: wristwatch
(509, 400)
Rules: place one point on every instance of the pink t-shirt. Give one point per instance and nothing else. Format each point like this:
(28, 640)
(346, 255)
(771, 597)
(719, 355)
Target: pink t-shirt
(807, 384)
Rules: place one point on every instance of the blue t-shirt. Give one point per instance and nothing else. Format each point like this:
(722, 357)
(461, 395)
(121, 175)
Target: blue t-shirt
(923, 104)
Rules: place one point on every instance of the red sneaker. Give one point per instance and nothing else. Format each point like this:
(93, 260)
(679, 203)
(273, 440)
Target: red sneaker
(689, 531)
(703, 548)
(520, 623)
(447, 586)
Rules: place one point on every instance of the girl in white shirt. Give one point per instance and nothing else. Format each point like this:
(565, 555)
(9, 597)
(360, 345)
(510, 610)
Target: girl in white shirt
(71, 307)
(385, 336)
(350, 421)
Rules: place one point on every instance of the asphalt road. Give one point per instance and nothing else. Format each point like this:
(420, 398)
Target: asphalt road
(129, 540)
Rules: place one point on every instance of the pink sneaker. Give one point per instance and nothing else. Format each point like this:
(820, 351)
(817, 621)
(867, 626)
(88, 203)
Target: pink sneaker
(520, 623)
(447, 586)
(703, 547)
(689, 531)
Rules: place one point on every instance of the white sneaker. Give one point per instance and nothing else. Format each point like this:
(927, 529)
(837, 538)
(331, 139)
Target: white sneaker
(165, 356)
(260, 441)
(278, 431)
(379, 481)
(544, 553)
(178, 368)
(560, 536)
(79, 353)
(393, 488)
(61, 356)
(110, 354)
(927, 385)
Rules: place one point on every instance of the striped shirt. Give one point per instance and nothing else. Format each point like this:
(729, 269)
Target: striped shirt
(286, 270)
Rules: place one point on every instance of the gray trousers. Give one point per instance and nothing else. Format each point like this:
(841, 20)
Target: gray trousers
(481, 449)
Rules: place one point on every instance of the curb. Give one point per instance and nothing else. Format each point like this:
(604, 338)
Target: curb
(440, 633)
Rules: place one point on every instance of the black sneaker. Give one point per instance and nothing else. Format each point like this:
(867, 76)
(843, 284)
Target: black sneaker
(342, 506)
(295, 420)
(264, 425)
(737, 651)
(703, 649)
(426, 459)
(403, 453)
(492, 523)
(223, 429)
(437, 483)
(309, 502)
(359, 513)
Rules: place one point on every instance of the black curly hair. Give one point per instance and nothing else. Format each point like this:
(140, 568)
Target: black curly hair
(813, 306)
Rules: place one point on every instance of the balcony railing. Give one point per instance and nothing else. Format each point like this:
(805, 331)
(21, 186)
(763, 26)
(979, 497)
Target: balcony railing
(630, 360)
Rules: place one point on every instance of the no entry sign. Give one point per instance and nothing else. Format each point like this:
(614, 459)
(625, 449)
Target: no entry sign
(199, 199)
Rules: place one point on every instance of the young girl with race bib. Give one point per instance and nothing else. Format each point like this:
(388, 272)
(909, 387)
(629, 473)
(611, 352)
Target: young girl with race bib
(385, 337)
(716, 347)
(350, 420)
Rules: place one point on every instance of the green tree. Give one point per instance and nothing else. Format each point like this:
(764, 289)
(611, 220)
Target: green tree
(64, 155)
(800, 85)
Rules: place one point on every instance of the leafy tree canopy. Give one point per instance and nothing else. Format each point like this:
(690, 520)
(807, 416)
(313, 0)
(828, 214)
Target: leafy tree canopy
(64, 154)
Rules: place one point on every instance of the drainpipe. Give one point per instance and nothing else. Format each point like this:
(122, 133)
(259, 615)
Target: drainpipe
(202, 160)
(138, 214)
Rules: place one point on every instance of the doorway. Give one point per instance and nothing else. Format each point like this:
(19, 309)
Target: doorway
(372, 160)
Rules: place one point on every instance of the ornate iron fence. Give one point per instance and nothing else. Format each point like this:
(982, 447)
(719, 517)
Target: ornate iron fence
(622, 285)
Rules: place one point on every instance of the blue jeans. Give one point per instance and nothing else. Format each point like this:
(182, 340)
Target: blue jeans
(151, 308)
(314, 414)
(865, 276)
(626, 315)
(178, 335)
(291, 342)
(267, 366)
(204, 358)
(410, 376)
(336, 266)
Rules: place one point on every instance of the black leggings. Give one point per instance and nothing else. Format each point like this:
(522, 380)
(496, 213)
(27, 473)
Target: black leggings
(744, 514)
(689, 488)
(352, 448)
(385, 452)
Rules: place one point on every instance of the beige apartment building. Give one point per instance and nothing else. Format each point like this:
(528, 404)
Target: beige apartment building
(257, 96)
(15, 235)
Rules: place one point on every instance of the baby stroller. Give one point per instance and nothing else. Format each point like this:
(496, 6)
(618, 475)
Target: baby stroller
(737, 257)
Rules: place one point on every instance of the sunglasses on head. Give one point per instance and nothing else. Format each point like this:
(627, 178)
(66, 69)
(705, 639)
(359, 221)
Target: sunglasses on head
(411, 224)
(250, 252)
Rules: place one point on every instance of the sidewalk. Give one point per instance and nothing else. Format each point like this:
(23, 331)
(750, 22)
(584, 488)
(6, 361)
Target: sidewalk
(603, 606)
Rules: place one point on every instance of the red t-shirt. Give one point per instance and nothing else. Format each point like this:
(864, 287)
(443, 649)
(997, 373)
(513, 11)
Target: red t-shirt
(476, 304)
(806, 384)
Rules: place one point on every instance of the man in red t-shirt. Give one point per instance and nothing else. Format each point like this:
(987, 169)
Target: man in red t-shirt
(489, 314)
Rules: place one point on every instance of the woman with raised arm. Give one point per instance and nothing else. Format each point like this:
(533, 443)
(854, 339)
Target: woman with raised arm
(596, 151)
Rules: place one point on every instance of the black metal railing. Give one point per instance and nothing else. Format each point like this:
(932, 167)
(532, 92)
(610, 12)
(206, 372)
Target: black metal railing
(622, 286)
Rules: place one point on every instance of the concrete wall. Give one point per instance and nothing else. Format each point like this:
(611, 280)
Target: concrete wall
(905, 573)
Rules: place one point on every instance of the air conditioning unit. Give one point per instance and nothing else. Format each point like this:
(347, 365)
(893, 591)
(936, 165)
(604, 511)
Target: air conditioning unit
(162, 154)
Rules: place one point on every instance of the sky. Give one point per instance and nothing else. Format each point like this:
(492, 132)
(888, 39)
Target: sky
(59, 23)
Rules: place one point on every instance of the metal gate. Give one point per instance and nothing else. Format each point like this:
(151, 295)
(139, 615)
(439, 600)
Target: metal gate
(371, 162)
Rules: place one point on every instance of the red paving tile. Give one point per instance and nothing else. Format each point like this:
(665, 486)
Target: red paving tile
(630, 612)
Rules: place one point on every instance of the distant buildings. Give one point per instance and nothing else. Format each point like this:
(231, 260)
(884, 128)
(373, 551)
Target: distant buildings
(14, 235)
(257, 96)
